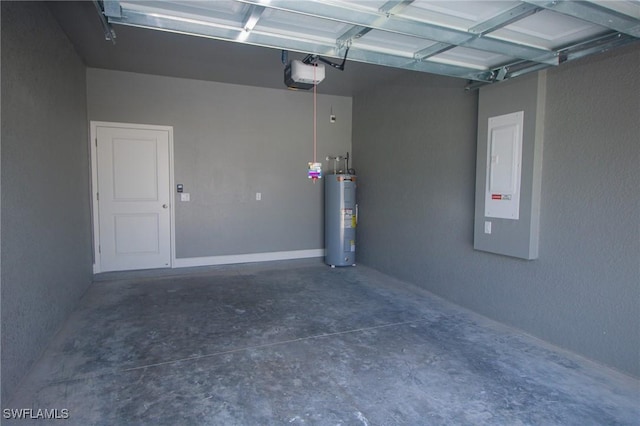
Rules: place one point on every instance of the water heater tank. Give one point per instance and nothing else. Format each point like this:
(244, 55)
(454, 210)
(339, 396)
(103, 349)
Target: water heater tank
(340, 219)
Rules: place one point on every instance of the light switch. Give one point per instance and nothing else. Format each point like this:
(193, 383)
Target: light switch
(487, 227)
(258, 196)
(185, 196)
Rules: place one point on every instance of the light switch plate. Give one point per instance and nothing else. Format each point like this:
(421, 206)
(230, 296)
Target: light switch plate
(487, 227)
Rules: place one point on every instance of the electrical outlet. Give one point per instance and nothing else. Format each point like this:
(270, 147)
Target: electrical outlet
(185, 196)
(332, 118)
(258, 196)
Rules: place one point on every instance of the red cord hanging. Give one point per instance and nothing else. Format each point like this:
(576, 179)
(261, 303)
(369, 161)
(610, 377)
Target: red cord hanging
(315, 85)
(315, 168)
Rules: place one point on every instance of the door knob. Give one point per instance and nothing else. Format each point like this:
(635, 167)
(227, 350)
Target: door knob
(164, 206)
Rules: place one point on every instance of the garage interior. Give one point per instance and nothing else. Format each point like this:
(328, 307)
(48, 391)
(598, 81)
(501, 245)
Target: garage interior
(249, 326)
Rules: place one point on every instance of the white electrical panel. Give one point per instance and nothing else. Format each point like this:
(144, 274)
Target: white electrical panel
(504, 166)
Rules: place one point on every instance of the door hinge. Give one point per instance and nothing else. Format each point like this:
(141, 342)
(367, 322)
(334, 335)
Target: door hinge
(99, 248)
(97, 196)
(96, 142)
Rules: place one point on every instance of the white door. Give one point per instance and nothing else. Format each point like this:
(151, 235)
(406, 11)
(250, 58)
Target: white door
(133, 196)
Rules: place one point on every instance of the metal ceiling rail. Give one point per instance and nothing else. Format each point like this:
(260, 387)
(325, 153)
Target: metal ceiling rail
(109, 33)
(502, 20)
(252, 17)
(579, 50)
(354, 14)
(357, 31)
(596, 13)
(247, 21)
(145, 17)
(596, 45)
(505, 18)
(256, 37)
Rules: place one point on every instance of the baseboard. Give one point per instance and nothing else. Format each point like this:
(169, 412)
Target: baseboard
(246, 258)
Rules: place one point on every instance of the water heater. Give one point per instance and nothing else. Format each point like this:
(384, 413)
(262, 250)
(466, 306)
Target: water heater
(340, 219)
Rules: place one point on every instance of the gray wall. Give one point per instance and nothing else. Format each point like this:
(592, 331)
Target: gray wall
(414, 149)
(230, 142)
(46, 232)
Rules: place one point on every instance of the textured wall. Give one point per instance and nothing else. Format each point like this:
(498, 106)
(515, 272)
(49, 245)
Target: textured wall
(230, 142)
(590, 215)
(414, 148)
(46, 233)
(414, 151)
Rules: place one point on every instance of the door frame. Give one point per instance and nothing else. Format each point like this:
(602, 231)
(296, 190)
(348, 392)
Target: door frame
(95, 215)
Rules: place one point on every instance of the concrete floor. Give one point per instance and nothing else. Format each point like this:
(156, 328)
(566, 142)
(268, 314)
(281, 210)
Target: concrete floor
(300, 343)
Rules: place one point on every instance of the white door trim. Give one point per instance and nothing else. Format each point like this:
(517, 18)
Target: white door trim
(94, 185)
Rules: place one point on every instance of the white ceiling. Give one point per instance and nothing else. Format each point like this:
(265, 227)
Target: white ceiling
(480, 41)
